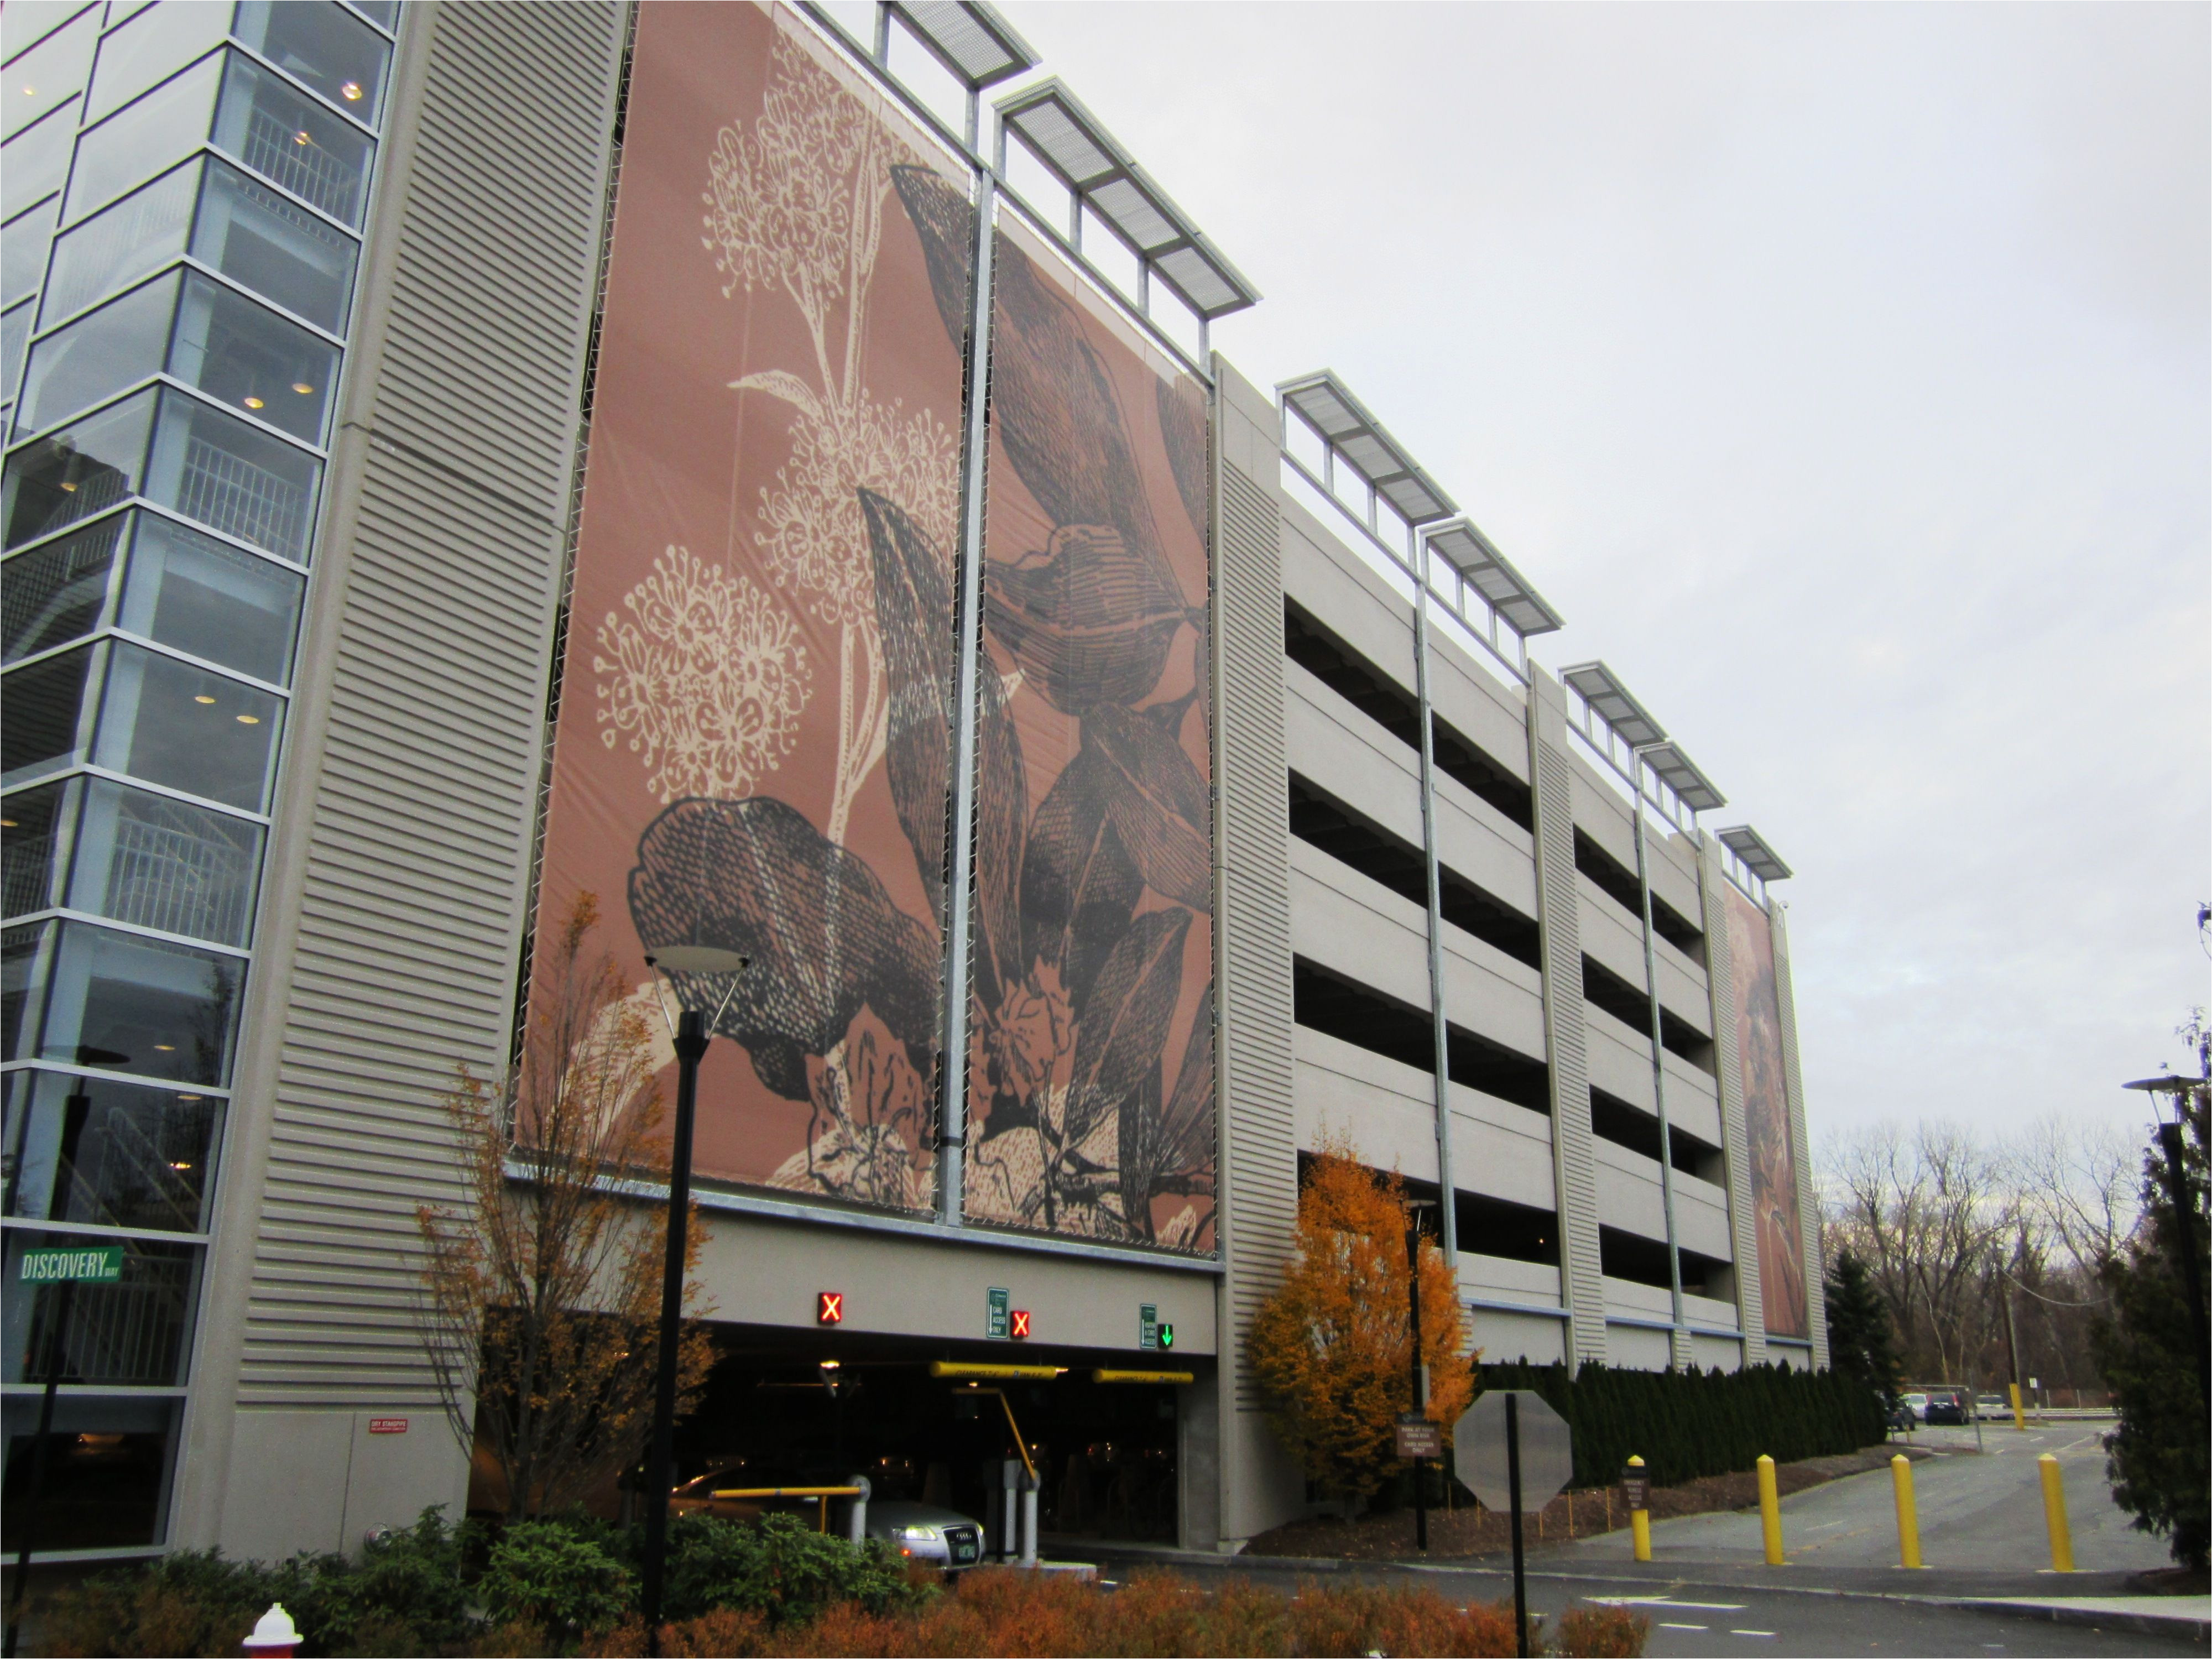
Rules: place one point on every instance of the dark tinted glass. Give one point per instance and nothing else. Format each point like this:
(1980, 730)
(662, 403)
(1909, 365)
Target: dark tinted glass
(292, 141)
(317, 43)
(244, 357)
(77, 473)
(185, 728)
(30, 820)
(123, 1002)
(96, 357)
(131, 1333)
(165, 864)
(259, 238)
(56, 593)
(38, 710)
(107, 1472)
(107, 1153)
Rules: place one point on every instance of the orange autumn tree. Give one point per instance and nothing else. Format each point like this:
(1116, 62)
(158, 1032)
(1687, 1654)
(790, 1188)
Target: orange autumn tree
(1330, 1348)
(540, 1310)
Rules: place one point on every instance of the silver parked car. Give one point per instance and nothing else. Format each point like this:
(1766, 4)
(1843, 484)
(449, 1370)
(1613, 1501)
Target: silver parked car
(927, 1534)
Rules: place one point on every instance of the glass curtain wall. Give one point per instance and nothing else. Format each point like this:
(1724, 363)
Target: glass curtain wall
(182, 187)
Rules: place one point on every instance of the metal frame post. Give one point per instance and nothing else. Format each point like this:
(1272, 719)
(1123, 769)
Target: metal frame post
(1447, 1222)
(1413, 1369)
(57, 1357)
(952, 1118)
(690, 1047)
(1678, 1336)
(1513, 1493)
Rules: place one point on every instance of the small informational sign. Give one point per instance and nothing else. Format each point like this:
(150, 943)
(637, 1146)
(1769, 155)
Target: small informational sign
(1635, 1488)
(998, 1305)
(1417, 1436)
(1148, 1325)
(1547, 1454)
(99, 1265)
(1167, 1336)
(829, 1307)
(387, 1425)
(1019, 1324)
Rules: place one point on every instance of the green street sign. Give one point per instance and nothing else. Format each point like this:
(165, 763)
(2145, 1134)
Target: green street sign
(1148, 1325)
(101, 1265)
(996, 1306)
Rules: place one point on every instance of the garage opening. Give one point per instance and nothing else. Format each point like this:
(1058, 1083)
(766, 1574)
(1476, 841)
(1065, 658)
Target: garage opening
(796, 1407)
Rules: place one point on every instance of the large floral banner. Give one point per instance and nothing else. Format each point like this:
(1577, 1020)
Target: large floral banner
(753, 741)
(1766, 1119)
(1091, 1060)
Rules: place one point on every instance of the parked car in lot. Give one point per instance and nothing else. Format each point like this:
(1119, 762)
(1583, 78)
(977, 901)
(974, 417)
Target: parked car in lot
(1945, 1405)
(924, 1533)
(1991, 1407)
(1917, 1403)
(1900, 1418)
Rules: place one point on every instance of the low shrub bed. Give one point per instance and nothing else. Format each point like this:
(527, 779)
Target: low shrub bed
(570, 1586)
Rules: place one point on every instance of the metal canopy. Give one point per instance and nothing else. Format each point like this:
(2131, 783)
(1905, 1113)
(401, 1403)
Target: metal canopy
(1484, 568)
(1595, 684)
(1360, 442)
(1747, 844)
(1086, 159)
(970, 39)
(1679, 773)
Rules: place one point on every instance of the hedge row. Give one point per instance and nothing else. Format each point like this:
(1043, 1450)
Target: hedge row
(1691, 1423)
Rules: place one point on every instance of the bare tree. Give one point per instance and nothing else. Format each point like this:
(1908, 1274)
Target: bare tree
(541, 1295)
(2079, 1181)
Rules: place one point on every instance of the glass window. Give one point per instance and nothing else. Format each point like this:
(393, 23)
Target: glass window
(31, 821)
(20, 949)
(259, 239)
(73, 474)
(245, 356)
(317, 43)
(232, 477)
(128, 1332)
(292, 141)
(144, 139)
(33, 162)
(153, 46)
(158, 863)
(211, 599)
(383, 12)
(24, 241)
(187, 728)
(90, 360)
(108, 1153)
(53, 70)
(107, 1469)
(15, 330)
(56, 592)
(41, 709)
(117, 247)
(22, 23)
(124, 1002)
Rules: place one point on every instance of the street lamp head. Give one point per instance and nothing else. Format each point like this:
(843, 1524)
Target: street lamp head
(2166, 1083)
(696, 959)
(690, 970)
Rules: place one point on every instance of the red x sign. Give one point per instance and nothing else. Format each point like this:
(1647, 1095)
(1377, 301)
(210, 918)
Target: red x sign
(829, 1307)
(1021, 1322)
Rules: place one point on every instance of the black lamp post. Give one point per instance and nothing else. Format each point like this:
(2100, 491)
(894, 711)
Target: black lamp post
(2170, 1142)
(688, 968)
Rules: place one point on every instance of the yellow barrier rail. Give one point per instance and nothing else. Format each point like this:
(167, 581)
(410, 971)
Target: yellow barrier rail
(822, 1495)
(961, 1368)
(1143, 1376)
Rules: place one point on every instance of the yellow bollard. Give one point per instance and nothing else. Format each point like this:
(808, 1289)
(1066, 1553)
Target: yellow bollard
(2054, 1514)
(1908, 1518)
(2019, 1413)
(1770, 1511)
(1640, 1523)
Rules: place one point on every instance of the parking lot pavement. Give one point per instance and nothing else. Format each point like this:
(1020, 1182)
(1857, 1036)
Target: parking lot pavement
(1978, 1512)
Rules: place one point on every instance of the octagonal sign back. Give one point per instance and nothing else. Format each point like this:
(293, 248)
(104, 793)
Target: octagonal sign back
(1547, 1450)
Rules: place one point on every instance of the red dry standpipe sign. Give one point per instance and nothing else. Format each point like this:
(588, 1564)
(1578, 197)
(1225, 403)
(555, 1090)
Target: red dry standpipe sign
(829, 1307)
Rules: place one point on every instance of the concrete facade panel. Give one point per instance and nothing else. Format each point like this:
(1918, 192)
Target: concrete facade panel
(1500, 1337)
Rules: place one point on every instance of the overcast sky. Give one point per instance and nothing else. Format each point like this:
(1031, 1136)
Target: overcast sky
(1840, 373)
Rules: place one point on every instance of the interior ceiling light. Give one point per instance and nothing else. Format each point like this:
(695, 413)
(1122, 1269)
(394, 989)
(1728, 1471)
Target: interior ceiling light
(1747, 844)
(350, 91)
(1377, 458)
(1484, 568)
(302, 387)
(203, 698)
(249, 720)
(1085, 158)
(165, 1048)
(1597, 685)
(250, 403)
(299, 137)
(1679, 773)
(69, 486)
(8, 823)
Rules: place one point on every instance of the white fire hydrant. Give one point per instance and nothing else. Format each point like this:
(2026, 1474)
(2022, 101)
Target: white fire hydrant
(274, 1635)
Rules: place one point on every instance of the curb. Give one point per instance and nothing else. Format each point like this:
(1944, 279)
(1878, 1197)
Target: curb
(2190, 1626)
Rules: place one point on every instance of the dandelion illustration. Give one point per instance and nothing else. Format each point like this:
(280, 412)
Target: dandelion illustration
(705, 681)
(795, 205)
